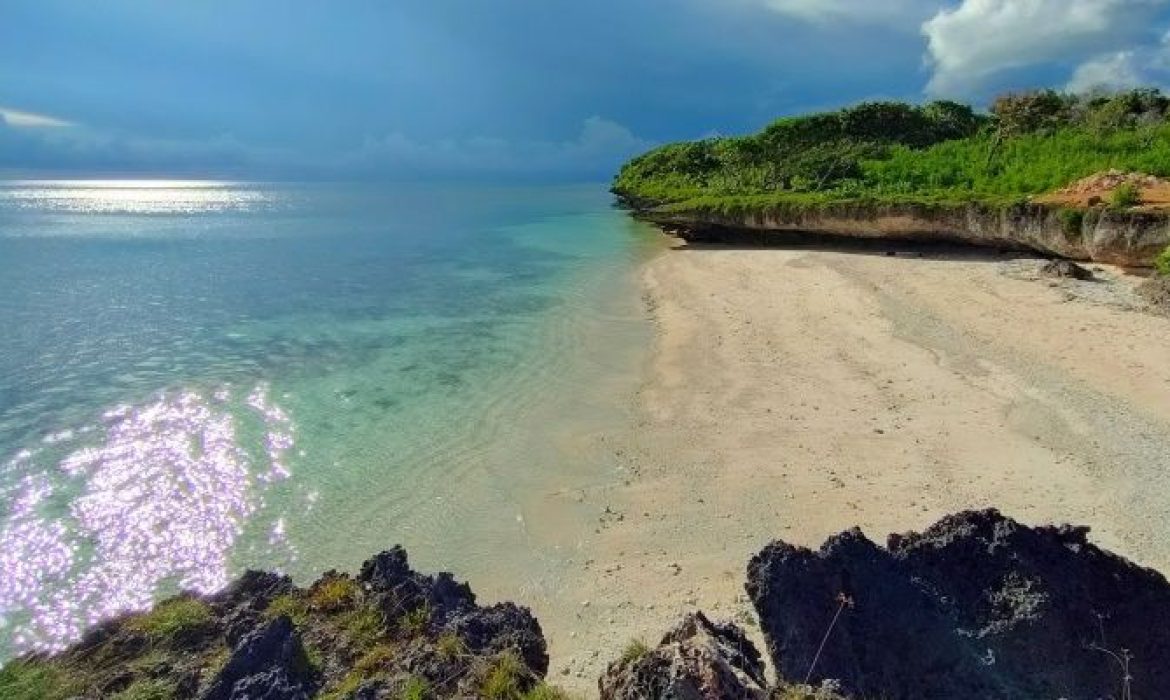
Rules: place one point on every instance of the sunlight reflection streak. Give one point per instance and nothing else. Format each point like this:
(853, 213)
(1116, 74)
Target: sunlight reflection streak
(162, 500)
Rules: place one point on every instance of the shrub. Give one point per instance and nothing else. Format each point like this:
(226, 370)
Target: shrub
(172, 618)
(289, 604)
(505, 678)
(634, 651)
(373, 660)
(544, 691)
(1125, 196)
(415, 688)
(415, 622)
(1072, 221)
(450, 646)
(369, 667)
(890, 152)
(1162, 263)
(364, 626)
(1029, 112)
(333, 593)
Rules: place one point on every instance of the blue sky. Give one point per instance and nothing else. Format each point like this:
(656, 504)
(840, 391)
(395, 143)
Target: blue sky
(506, 89)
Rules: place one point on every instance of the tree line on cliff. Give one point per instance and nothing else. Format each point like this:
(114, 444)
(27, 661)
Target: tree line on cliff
(1024, 144)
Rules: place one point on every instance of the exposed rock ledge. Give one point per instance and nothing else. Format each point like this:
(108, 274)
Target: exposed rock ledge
(1131, 238)
(976, 607)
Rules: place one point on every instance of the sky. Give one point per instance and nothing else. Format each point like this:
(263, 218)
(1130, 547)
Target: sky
(506, 89)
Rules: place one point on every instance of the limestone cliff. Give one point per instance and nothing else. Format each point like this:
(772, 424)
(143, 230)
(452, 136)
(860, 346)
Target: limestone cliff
(1131, 237)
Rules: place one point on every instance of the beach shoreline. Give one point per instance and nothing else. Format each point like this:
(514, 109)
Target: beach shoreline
(796, 393)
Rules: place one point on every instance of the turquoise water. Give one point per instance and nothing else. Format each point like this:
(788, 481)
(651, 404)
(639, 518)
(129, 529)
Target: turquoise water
(196, 378)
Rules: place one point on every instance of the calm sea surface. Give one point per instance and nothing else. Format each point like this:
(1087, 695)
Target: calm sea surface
(197, 378)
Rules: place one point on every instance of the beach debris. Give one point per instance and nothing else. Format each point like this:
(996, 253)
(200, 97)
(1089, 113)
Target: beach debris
(1065, 269)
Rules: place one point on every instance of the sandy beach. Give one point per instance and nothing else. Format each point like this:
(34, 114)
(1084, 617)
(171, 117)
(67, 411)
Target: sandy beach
(795, 393)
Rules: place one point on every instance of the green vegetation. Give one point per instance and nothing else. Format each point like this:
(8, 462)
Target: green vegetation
(147, 689)
(504, 678)
(290, 604)
(940, 153)
(544, 691)
(371, 666)
(363, 626)
(172, 619)
(805, 692)
(1073, 221)
(634, 651)
(348, 643)
(35, 680)
(1162, 263)
(416, 621)
(1125, 196)
(415, 688)
(333, 593)
(450, 646)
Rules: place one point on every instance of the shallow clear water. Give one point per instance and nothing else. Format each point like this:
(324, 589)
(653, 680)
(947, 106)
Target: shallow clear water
(197, 378)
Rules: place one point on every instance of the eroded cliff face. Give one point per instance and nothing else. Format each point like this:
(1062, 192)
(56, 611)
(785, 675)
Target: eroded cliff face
(1131, 238)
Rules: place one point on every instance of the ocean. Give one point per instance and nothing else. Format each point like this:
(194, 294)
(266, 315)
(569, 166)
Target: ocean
(202, 377)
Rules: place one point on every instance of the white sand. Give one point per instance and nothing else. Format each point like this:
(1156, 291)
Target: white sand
(797, 393)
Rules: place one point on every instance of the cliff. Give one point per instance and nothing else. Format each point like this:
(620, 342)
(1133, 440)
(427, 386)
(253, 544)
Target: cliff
(1078, 176)
(1131, 238)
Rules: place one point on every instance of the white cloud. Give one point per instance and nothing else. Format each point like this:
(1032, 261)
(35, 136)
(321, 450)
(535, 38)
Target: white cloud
(1142, 66)
(972, 43)
(29, 120)
(863, 11)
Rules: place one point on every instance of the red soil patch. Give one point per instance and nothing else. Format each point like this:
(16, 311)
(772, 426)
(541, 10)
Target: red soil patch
(1096, 190)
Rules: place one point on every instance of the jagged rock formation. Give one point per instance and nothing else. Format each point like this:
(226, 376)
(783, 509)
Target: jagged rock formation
(697, 660)
(388, 633)
(1065, 269)
(978, 606)
(1130, 238)
(267, 662)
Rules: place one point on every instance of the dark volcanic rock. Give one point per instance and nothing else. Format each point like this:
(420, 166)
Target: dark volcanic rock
(269, 662)
(978, 606)
(697, 660)
(451, 609)
(390, 633)
(1065, 269)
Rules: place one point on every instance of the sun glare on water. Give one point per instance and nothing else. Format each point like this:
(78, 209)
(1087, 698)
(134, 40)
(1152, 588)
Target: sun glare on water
(155, 495)
(133, 196)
